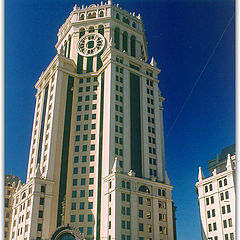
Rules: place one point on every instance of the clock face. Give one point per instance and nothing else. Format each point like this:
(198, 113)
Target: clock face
(90, 44)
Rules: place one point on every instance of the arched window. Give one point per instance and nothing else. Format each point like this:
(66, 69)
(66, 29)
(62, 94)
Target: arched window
(133, 46)
(125, 20)
(91, 15)
(91, 29)
(144, 188)
(117, 16)
(67, 236)
(82, 17)
(220, 183)
(210, 187)
(101, 30)
(101, 14)
(81, 32)
(134, 24)
(116, 37)
(123, 184)
(163, 193)
(225, 182)
(24, 195)
(125, 41)
(206, 189)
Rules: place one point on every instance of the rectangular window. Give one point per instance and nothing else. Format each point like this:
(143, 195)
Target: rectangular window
(209, 227)
(41, 201)
(91, 170)
(140, 213)
(82, 193)
(81, 205)
(75, 170)
(212, 199)
(90, 193)
(74, 182)
(228, 208)
(90, 205)
(214, 226)
(75, 159)
(84, 158)
(86, 117)
(92, 147)
(93, 126)
(208, 214)
(92, 158)
(74, 194)
(230, 222)
(123, 224)
(81, 218)
(225, 223)
(91, 181)
(223, 210)
(89, 231)
(73, 206)
(213, 213)
(83, 181)
(128, 211)
(140, 200)
(123, 210)
(140, 227)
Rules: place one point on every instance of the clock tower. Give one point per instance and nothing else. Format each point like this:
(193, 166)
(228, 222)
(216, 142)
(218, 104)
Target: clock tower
(96, 164)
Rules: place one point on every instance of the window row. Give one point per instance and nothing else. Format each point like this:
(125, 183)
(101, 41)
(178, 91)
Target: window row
(87, 98)
(86, 107)
(82, 194)
(84, 158)
(85, 137)
(81, 218)
(221, 182)
(209, 215)
(83, 170)
(125, 41)
(87, 88)
(153, 172)
(227, 207)
(208, 200)
(149, 91)
(227, 223)
(212, 227)
(81, 80)
(149, 82)
(84, 148)
(85, 127)
(82, 181)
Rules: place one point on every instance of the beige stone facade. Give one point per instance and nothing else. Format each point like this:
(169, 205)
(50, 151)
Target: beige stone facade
(98, 122)
(216, 196)
(10, 185)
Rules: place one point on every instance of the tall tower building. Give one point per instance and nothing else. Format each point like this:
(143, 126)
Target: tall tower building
(96, 164)
(216, 197)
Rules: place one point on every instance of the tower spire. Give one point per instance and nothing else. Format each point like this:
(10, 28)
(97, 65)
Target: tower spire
(200, 174)
(229, 163)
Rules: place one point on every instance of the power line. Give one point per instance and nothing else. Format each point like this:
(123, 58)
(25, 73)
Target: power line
(199, 77)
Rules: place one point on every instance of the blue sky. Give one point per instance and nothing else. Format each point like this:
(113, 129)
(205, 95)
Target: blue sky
(181, 35)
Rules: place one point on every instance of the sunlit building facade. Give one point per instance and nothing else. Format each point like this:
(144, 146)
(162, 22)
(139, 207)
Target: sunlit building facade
(216, 196)
(97, 166)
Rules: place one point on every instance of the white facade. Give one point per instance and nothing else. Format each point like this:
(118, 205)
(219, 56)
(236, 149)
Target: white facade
(216, 196)
(97, 140)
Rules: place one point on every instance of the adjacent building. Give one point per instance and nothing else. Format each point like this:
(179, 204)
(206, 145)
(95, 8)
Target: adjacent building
(216, 196)
(10, 184)
(96, 165)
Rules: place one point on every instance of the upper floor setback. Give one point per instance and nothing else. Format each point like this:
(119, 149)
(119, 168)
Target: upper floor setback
(89, 14)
